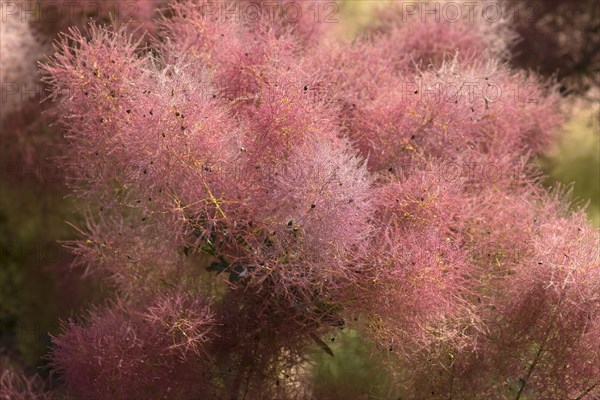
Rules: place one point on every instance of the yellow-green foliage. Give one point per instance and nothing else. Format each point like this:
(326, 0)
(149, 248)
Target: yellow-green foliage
(32, 222)
(356, 14)
(576, 158)
(353, 373)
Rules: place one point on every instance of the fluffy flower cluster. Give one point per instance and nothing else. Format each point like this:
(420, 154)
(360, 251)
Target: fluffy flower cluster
(125, 352)
(28, 29)
(15, 385)
(255, 187)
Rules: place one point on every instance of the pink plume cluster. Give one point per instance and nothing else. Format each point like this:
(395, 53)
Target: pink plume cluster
(255, 188)
(28, 29)
(15, 385)
(123, 351)
(421, 35)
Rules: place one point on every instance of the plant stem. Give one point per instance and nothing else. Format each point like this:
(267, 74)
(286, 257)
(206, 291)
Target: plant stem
(586, 391)
(539, 353)
(451, 381)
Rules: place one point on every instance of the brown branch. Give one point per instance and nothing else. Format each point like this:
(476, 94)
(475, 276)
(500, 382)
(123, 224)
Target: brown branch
(586, 391)
(539, 353)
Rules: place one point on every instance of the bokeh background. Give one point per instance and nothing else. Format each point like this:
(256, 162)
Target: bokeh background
(38, 288)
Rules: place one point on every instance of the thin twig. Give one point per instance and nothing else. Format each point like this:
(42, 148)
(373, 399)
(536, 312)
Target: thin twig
(539, 353)
(586, 391)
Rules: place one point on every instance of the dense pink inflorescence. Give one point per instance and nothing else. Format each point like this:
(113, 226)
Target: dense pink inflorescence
(305, 187)
(15, 385)
(420, 35)
(123, 352)
(28, 29)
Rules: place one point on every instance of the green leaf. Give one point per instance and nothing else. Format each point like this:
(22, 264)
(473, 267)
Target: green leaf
(217, 266)
(237, 273)
(322, 344)
(208, 249)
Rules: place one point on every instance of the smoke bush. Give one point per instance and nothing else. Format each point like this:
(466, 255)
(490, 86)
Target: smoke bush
(15, 385)
(254, 188)
(123, 351)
